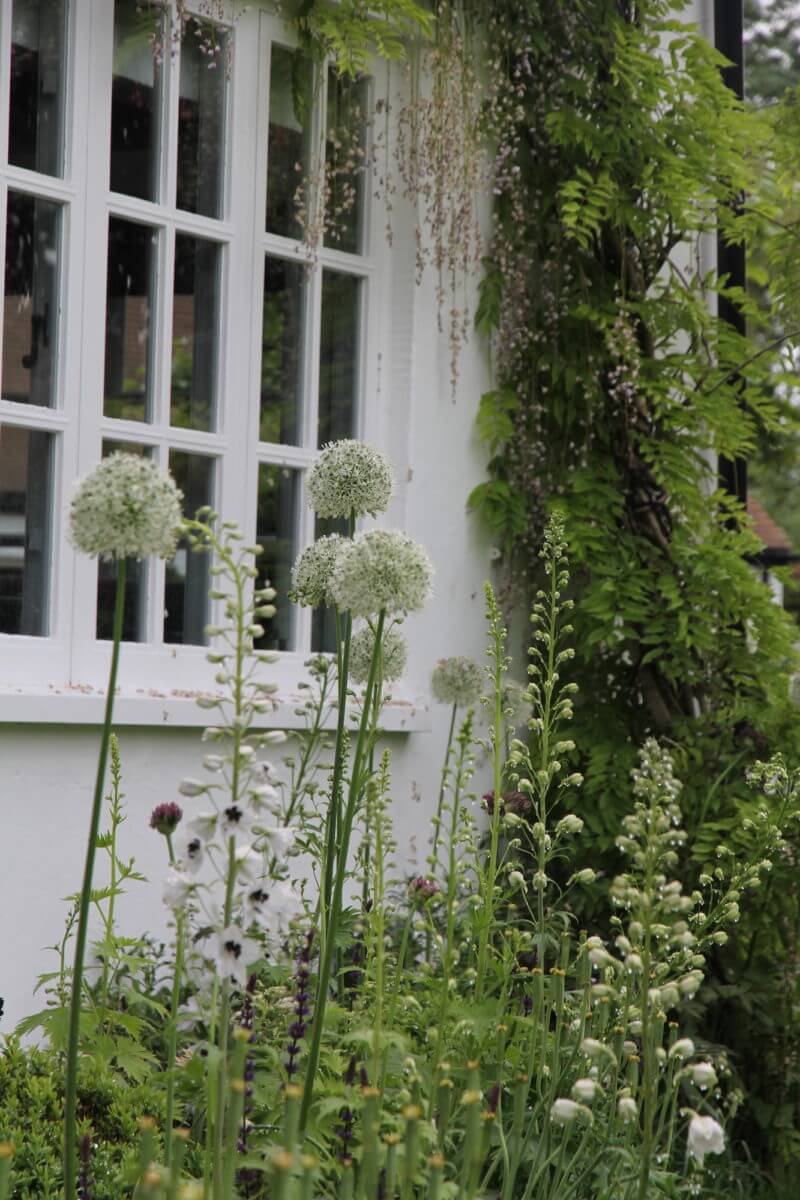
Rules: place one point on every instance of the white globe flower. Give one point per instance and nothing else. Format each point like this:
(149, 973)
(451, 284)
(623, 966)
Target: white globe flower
(381, 570)
(565, 1111)
(627, 1108)
(349, 478)
(457, 680)
(311, 574)
(706, 1136)
(585, 1090)
(703, 1075)
(683, 1048)
(393, 655)
(126, 508)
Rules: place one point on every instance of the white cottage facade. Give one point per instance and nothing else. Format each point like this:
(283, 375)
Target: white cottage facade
(157, 299)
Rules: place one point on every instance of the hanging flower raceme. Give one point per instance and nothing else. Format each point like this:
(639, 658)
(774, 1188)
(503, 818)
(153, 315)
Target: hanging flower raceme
(381, 570)
(457, 681)
(126, 508)
(349, 479)
(311, 574)
(393, 655)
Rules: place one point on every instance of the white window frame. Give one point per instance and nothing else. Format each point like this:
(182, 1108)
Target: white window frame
(71, 663)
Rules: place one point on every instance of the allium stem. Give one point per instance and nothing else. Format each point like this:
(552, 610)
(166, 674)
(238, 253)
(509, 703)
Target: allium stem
(442, 789)
(327, 949)
(71, 1082)
(172, 1039)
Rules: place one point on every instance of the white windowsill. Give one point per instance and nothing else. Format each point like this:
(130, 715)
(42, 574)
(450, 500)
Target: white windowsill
(71, 705)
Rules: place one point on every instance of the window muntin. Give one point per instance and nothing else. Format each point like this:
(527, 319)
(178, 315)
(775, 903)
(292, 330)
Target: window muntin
(36, 92)
(253, 390)
(26, 501)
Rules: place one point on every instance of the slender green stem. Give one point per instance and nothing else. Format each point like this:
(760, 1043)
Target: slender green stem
(109, 921)
(490, 879)
(442, 790)
(71, 1081)
(172, 1039)
(326, 951)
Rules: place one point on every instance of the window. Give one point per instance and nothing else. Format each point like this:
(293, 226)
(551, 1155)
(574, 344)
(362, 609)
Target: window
(157, 299)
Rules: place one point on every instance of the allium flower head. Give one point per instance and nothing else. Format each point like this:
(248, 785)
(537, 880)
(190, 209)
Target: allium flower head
(165, 818)
(381, 569)
(126, 508)
(422, 887)
(457, 681)
(311, 573)
(706, 1136)
(393, 655)
(349, 477)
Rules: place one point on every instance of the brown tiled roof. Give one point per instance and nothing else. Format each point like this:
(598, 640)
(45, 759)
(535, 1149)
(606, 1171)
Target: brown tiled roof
(773, 537)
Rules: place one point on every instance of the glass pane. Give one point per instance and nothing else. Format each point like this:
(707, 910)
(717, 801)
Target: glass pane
(135, 100)
(36, 113)
(345, 154)
(25, 506)
(129, 305)
(133, 621)
(282, 351)
(30, 305)
(338, 355)
(187, 579)
(201, 120)
(323, 621)
(276, 532)
(290, 100)
(195, 309)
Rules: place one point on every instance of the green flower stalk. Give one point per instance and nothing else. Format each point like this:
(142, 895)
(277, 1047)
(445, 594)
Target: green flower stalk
(124, 509)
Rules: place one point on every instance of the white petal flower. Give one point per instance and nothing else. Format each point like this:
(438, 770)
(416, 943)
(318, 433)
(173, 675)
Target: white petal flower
(457, 680)
(249, 863)
(189, 851)
(683, 1048)
(204, 825)
(126, 508)
(264, 795)
(627, 1108)
(585, 1090)
(706, 1136)
(312, 571)
(177, 889)
(349, 478)
(569, 824)
(393, 654)
(234, 953)
(565, 1111)
(281, 839)
(593, 1048)
(192, 787)
(271, 904)
(235, 821)
(382, 569)
(703, 1075)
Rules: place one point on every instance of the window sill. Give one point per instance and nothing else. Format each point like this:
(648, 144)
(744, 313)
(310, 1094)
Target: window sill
(70, 705)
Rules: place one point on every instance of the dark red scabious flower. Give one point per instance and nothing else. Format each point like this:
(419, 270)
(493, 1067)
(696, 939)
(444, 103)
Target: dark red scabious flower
(423, 888)
(165, 818)
(513, 802)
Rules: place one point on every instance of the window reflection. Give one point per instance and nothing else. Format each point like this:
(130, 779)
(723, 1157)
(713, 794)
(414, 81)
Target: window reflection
(290, 99)
(135, 100)
(25, 506)
(345, 158)
(195, 309)
(338, 355)
(186, 587)
(201, 112)
(37, 85)
(282, 351)
(130, 280)
(30, 312)
(276, 532)
(133, 622)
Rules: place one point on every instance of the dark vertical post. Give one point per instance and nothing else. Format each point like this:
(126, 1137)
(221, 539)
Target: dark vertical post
(729, 40)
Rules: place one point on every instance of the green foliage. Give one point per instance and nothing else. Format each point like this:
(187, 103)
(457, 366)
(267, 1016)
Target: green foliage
(351, 32)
